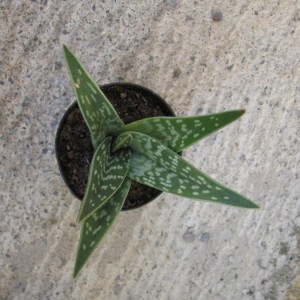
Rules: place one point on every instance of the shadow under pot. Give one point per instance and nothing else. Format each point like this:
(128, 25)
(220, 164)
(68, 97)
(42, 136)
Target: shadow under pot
(73, 144)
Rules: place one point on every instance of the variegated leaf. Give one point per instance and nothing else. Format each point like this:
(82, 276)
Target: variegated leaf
(123, 140)
(94, 227)
(179, 133)
(107, 172)
(99, 114)
(154, 164)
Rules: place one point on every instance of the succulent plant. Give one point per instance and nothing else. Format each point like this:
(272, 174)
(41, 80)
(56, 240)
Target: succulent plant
(144, 151)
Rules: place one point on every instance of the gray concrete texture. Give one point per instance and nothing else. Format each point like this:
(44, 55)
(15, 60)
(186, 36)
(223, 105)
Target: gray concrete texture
(202, 57)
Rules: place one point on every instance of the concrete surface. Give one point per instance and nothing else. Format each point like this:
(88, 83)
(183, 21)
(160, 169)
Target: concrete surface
(202, 56)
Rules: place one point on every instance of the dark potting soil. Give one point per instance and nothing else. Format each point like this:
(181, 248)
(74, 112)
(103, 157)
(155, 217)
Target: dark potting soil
(74, 145)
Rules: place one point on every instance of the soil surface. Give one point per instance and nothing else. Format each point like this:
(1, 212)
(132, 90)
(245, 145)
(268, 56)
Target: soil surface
(74, 145)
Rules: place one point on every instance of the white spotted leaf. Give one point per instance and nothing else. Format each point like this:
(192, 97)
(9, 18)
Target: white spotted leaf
(99, 114)
(95, 226)
(107, 172)
(155, 165)
(179, 133)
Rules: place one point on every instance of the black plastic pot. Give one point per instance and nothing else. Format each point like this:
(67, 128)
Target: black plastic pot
(139, 96)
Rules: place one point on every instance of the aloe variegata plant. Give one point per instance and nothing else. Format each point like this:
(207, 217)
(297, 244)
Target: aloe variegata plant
(144, 151)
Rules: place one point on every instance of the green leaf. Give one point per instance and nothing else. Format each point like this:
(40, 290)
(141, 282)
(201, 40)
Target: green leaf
(179, 133)
(94, 227)
(154, 164)
(107, 172)
(123, 140)
(99, 114)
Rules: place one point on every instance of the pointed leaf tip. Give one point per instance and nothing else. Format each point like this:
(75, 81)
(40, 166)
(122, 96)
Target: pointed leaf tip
(240, 112)
(155, 165)
(99, 114)
(66, 50)
(178, 133)
(253, 205)
(95, 227)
